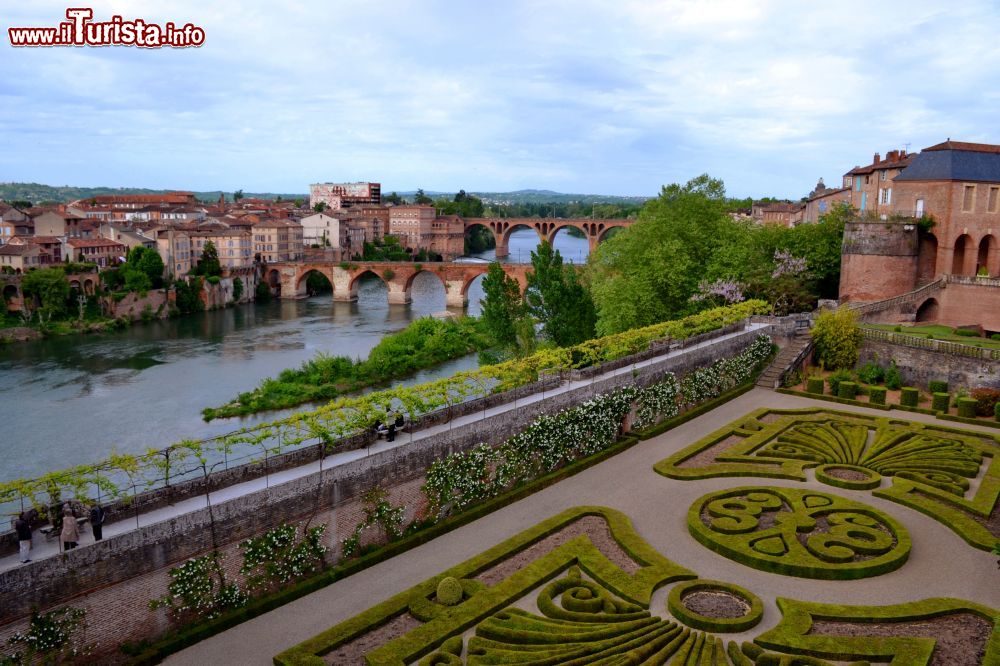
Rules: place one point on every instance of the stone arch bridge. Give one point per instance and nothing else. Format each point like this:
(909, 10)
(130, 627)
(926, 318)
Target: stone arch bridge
(289, 278)
(546, 228)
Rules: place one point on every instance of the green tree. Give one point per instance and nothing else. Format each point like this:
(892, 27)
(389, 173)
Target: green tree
(48, 286)
(237, 195)
(837, 338)
(208, 264)
(320, 207)
(502, 307)
(237, 288)
(189, 295)
(142, 270)
(393, 199)
(421, 198)
(556, 297)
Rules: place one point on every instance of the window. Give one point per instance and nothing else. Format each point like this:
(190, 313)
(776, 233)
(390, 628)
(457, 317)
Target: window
(920, 208)
(857, 184)
(969, 198)
(847, 181)
(991, 204)
(885, 195)
(882, 175)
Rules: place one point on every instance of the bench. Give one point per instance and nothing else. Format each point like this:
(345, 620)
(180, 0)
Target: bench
(51, 532)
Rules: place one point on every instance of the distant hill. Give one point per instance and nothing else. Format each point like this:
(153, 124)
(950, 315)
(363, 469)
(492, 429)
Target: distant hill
(36, 193)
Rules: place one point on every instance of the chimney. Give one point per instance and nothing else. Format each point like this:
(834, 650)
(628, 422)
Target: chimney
(877, 159)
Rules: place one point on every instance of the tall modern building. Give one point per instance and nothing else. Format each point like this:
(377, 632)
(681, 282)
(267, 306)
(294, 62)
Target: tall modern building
(345, 195)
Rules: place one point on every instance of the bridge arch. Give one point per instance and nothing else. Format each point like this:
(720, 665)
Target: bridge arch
(929, 310)
(474, 239)
(10, 294)
(409, 281)
(301, 283)
(357, 277)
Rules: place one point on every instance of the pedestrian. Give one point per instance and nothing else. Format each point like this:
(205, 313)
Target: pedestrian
(23, 528)
(391, 435)
(70, 530)
(97, 521)
(400, 421)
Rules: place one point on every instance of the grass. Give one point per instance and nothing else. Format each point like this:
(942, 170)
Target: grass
(938, 332)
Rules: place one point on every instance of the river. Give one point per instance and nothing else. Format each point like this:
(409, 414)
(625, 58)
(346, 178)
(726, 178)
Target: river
(73, 400)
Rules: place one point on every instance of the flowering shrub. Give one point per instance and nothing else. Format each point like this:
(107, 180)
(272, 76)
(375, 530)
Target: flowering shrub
(379, 512)
(785, 263)
(199, 586)
(730, 291)
(657, 402)
(50, 638)
(711, 382)
(278, 556)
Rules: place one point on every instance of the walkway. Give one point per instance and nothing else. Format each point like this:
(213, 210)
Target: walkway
(940, 564)
(43, 547)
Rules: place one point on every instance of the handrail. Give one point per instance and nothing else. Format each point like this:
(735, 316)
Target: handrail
(910, 296)
(943, 346)
(796, 362)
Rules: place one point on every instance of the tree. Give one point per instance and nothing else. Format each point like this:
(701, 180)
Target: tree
(320, 207)
(237, 195)
(142, 270)
(237, 289)
(208, 264)
(393, 198)
(421, 198)
(189, 295)
(502, 307)
(558, 300)
(50, 288)
(838, 338)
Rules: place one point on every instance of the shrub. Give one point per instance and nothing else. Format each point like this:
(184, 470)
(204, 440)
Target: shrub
(986, 400)
(937, 386)
(897, 329)
(940, 401)
(995, 336)
(814, 385)
(847, 390)
(449, 591)
(996, 411)
(893, 379)
(837, 338)
(872, 373)
(839, 376)
(967, 407)
(909, 396)
(876, 395)
(212, 279)
(966, 333)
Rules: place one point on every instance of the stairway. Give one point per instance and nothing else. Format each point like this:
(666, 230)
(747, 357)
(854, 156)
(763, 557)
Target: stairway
(789, 355)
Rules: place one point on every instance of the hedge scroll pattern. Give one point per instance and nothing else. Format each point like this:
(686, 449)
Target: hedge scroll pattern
(799, 533)
(949, 474)
(572, 605)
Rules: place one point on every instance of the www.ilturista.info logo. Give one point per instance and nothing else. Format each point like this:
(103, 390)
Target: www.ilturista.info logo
(79, 30)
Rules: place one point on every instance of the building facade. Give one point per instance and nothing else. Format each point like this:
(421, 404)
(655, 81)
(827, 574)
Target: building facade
(344, 195)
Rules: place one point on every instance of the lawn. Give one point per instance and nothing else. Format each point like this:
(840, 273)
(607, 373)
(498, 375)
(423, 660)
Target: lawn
(937, 332)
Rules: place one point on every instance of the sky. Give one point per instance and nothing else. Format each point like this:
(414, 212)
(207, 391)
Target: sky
(582, 96)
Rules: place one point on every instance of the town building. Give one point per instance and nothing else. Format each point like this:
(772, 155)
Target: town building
(174, 247)
(100, 251)
(344, 195)
(871, 186)
(14, 222)
(320, 230)
(410, 223)
(822, 200)
(18, 258)
(51, 247)
(277, 240)
(137, 201)
(52, 223)
(235, 247)
(781, 214)
(126, 237)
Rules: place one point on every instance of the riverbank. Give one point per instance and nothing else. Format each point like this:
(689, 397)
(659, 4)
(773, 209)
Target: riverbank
(423, 344)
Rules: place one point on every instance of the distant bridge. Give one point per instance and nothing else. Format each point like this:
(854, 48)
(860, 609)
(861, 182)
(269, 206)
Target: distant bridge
(546, 228)
(290, 278)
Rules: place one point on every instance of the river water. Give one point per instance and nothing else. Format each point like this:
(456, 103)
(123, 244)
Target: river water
(75, 399)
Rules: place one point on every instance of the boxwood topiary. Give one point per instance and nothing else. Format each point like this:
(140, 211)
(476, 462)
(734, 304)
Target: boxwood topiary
(996, 411)
(815, 385)
(847, 390)
(937, 386)
(449, 591)
(940, 402)
(876, 395)
(967, 407)
(909, 396)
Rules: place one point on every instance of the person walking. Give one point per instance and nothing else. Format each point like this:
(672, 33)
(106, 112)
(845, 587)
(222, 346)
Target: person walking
(391, 435)
(70, 530)
(23, 528)
(97, 521)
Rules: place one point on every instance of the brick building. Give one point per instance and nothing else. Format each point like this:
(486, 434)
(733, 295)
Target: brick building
(234, 246)
(822, 200)
(871, 186)
(100, 251)
(344, 195)
(278, 240)
(410, 223)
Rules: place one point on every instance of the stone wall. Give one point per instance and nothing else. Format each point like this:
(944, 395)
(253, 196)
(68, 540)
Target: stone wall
(115, 578)
(879, 260)
(920, 366)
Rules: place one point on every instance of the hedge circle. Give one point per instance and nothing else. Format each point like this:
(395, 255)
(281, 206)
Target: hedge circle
(850, 477)
(799, 533)
(449, 591)
(683, 593)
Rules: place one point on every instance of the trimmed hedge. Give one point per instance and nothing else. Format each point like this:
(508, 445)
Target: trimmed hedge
(859, 532)
(675, 604)
(940, 402)
(824, 474)
(847, 390)
(814, 385)
(876, 395)
(996, 411)
(967, 407)
(937, 386)
(909, 396)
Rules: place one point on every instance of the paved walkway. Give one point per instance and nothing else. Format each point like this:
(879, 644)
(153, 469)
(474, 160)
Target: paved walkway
(940, 564)
(47, 547)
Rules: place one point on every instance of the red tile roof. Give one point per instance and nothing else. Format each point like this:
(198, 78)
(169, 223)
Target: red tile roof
(963, 145)
(94, 242)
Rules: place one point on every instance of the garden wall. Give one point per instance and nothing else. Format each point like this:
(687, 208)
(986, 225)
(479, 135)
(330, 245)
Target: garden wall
(114, 579)
(920, 366)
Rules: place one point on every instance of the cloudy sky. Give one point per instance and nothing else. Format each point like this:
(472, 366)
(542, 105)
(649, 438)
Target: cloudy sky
(611, 97)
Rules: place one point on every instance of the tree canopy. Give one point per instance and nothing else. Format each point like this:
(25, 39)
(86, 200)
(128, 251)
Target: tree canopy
(557, 299)
(502, 307)
(50, 288)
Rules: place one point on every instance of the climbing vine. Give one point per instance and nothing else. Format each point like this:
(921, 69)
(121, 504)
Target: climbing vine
(198, 586)
(379, 513)
(51, 638)
(279, 556)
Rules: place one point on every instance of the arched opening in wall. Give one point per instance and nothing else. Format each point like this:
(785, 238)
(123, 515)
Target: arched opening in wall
(314, 283)
(427, 293)
(927, 259)
(928, 310)
(74, 285)
(474, 292)
(987, 259)
(572, 243)
(480, 242)
(521, 242)
(370, 290)
(958, 257)
(9, 295)
(274, 281)
(88, 287)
